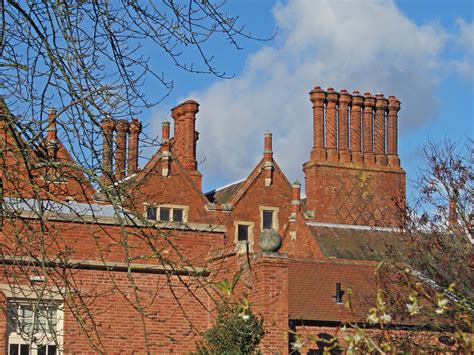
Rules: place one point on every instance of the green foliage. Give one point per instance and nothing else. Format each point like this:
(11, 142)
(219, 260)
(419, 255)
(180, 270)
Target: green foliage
(236, 329)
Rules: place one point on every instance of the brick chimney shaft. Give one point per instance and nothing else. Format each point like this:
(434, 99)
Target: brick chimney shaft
(51, 135)
(165, 132)
(379, 129)
(121, 148)
(133, 142)
(356, 126)
(267, 147)
(108, 127)
(268, 158)
(331, 125)
(368, 129)
(343, 126)
(295, 197)
(165, 146)
(392, 131)
(318, 98)
(185, 135)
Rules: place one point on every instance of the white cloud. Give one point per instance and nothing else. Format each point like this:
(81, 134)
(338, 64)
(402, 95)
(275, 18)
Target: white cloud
(365, 45)
(464, 40)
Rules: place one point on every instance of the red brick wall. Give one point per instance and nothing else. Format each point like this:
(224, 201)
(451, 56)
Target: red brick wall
(269, 298)
(173, 308)
(354, 195)
(175, 189)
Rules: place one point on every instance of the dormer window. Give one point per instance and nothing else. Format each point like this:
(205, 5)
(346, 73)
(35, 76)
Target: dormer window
(167, 213)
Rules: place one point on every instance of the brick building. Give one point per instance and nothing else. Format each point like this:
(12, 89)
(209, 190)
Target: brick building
(125, 262)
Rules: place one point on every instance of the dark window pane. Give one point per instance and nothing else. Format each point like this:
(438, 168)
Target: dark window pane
(242, 232)
(24, 349)
(164, 214)
(151, 213)
(267, 219)
(14, 349)
(42, 350)
(51, 349)
(177, 215)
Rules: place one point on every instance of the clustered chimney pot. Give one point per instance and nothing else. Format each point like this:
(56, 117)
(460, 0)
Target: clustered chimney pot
(318, 98)
(368, 129)
(355, 128)
(121, 148)
(392, 131)
(343, 126)
(379, 130)
(184, 145)
(331, 125)
(135, 129)
(108, 127)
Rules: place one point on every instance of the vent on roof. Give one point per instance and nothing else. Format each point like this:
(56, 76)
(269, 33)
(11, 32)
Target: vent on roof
(339, 293)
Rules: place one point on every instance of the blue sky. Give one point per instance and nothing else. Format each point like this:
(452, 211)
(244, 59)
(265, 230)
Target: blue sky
(422, 51)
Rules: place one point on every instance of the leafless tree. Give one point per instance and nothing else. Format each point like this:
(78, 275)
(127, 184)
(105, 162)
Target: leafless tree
(90, 60)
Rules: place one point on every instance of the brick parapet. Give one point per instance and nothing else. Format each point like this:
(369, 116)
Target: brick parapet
(269, 298)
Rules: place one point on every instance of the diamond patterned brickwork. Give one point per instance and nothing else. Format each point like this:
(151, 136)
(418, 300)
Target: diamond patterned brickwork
(351, 195)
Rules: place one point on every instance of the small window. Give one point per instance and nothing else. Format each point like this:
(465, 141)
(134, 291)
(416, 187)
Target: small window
(165, 213)
(242, 233)
(177, 215)
(151, 213)
(267, 219)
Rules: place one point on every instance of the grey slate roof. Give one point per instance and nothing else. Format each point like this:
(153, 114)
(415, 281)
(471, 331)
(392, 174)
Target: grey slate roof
(223, 195)
(18, 205)
(347, 243)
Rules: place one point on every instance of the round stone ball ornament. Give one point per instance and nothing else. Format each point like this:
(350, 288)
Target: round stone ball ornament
(270, 240)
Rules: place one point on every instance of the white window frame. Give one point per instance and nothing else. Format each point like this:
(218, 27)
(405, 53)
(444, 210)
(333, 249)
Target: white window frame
(275, 211)
(241, 245)
(14, 335)
(171, 207)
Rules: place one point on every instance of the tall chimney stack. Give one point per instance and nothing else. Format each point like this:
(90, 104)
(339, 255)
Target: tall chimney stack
(184, 145)
(379, 131)
(343, 127)
(121, 148)
(108, 127)
(185, 137)
(392, 131)
(368, 130)
(51, 135)
(331, 125)
(354, 175)
(268, 158)
(165, 147)
(295, 197)
(318, 98)
(356, 127)
(133, 140)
